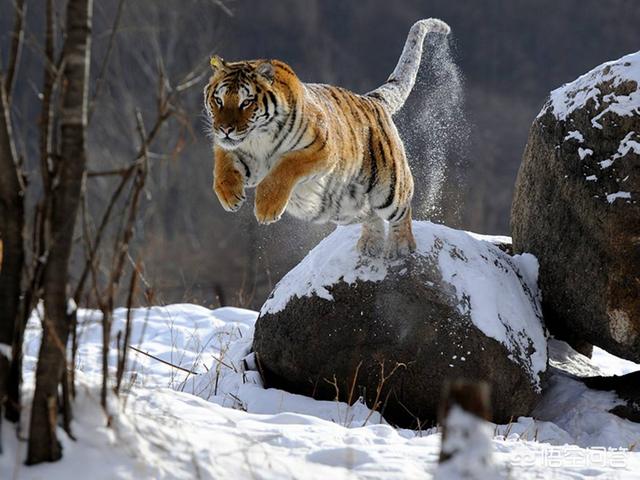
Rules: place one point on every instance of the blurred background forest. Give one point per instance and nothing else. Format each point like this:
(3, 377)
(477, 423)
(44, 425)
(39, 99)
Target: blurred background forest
(511, 53)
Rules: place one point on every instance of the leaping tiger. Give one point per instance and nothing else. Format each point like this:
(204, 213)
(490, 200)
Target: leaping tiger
(320, 152)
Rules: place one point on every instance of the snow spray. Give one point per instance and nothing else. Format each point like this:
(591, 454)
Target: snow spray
(435, 133)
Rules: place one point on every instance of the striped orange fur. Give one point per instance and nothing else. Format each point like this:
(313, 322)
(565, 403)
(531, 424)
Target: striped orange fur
(319, 152)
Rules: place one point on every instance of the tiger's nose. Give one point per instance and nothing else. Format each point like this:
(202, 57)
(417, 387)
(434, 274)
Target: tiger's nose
(226, 130)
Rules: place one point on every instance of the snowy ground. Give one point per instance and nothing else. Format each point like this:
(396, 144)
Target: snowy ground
(218, 422)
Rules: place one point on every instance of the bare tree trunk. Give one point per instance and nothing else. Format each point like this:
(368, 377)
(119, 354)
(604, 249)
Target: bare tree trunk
(30, 292)
(11, 230)
(43, 442)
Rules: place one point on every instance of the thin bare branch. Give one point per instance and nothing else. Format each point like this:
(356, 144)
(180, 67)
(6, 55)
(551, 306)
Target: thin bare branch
(178, 367)
(107, 57)
(95, 245)
(111, 173)
(122, 357)
(16, 46)
(222, 5)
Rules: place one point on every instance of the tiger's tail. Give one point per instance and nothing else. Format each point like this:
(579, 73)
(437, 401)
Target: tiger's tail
(396, 89)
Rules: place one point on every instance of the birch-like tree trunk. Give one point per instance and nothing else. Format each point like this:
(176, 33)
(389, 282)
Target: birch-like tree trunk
(43, 442)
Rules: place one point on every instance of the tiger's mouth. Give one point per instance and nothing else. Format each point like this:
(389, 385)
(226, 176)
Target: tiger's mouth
(234, 140)
(229, 142)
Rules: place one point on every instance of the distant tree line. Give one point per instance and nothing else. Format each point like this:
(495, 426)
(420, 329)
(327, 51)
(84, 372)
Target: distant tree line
(510, 52)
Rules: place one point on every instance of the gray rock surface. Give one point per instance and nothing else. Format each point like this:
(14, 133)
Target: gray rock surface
(576, 208)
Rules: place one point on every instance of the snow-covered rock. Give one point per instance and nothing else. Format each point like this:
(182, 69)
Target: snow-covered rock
(576, 207)
(459, 307)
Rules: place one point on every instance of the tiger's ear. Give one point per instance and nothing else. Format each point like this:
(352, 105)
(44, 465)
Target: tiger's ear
(266, 70)
(217, 63)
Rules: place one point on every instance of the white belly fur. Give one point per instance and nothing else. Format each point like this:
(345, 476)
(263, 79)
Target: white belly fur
(307, 200)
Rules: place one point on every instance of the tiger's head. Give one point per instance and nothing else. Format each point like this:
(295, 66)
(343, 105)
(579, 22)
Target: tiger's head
(239, 99)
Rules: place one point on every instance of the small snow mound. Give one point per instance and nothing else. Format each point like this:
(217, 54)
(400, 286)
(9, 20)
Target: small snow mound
(497, 291)
(572, 96)
(469, 443)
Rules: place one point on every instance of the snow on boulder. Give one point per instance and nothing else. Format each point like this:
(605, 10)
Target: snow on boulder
(343, 325)
(576, 207)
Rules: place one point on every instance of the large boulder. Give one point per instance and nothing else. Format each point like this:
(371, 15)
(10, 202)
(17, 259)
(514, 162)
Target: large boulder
(459, 307)
(576, 208)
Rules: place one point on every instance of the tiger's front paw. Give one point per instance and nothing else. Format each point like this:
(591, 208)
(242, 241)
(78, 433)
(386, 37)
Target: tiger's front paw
(230, 192)
(271, 202)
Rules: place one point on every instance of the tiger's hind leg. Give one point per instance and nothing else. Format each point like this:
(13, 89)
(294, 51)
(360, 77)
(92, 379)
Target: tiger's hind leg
(400, 240)
(371, 241)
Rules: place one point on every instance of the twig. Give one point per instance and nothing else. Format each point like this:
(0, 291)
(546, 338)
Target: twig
(230, 367)
(353, 384)
(93, 248)
(16, 47)
(123, 244)
(122, 360)
(105, 61)
(383, 379)
(111, 173)
(162, 361)
(223, 7)
(334, 384)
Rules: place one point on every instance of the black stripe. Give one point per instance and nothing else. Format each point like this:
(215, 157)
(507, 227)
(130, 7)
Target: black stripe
(288, 88)
(273, 98)
(335, 96)
(311, 143)
(373, 174)
(383, 154)
(285, 68)
(348, 98)
(247, 172)
(351, 130)
(265, 104)
(331, 190)
(392, 190)
(383, 126)
(357, 110)
(319, 148)
(300, 133)
(384, 141)
(292, 115)
(395, 216)
(323, 145)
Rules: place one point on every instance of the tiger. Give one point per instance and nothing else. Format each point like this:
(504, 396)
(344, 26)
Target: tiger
(319, 152)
